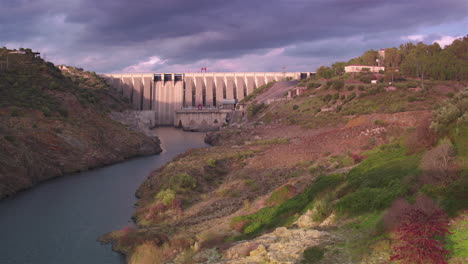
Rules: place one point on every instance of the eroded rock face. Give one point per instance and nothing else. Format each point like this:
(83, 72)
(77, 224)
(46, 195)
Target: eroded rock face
(280, 246)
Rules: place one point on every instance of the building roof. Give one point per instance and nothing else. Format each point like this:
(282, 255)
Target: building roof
(363, 65)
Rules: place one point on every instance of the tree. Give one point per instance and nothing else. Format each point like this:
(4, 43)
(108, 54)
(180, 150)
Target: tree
(392, 58)
(338, 67)
(417, 227)
(325, 72)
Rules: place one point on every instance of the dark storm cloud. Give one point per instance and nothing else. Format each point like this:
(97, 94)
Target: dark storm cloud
(184, 31)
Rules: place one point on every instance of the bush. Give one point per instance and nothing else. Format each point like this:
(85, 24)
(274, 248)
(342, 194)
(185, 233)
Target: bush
(182, 181)
(336, 96)
(313, 85)
(380, 123)
(435, 163)
(253, 109)
(327, 98)
(338, 85)
(361, 88)
(351, 96)
(322, 208)
(295, 107)
(312, 255)
(417, 229)
(211, 163)
(351, 87)
(456, 197)
(365, 79)
(453, 110)
(166, 196)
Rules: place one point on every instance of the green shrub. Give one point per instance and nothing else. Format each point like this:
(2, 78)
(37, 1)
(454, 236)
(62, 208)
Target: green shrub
(338, 85)
(365, 79)
(295, 107)
(327, 98)
(314, 169)
(351, 96)
(182, 181)
(166, 196)
(312, 255)
(336, 96)
(313, 85)
(451, 111)
(322, 208)
(361, 88)
(455, 198)
(211, 163)
(412, 85)
(351, 87)
(253, 109)
(380, 123)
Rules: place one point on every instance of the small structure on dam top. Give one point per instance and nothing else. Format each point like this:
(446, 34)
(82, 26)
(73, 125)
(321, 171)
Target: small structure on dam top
(193, 101)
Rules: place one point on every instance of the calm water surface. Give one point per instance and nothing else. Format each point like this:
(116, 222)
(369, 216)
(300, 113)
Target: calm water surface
(59, 221)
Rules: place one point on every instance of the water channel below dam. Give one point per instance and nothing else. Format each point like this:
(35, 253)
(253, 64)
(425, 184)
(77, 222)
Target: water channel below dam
(59, 221)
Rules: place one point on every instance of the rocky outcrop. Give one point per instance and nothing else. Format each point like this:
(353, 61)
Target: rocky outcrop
(280, 246)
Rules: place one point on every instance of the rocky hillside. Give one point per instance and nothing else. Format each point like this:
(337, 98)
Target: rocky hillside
(54, 122)
(343, 173)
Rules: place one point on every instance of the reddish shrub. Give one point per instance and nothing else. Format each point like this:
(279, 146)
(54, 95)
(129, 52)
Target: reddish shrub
(416, 227)
(356, 157)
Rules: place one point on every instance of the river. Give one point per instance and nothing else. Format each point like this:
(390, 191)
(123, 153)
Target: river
(58, 222)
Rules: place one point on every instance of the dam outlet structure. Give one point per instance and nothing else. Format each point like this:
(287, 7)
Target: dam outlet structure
(193, 101)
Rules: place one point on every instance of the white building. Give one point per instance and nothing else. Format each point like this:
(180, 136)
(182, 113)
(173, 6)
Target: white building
(361, 68)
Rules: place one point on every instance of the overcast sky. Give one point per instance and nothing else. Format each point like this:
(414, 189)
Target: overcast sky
(234, 35)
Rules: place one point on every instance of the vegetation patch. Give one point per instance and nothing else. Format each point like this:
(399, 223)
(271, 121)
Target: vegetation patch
(257, 91)
(286, 212)
(312, 255)
(378, 180)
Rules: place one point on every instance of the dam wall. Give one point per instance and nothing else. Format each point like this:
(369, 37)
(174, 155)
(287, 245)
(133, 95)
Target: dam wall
(166, 93)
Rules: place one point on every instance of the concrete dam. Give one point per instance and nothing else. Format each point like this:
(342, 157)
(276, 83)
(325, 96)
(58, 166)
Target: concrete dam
(180, 99)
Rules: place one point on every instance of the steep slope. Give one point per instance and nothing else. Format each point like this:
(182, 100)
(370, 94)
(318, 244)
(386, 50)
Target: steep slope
(53, 123)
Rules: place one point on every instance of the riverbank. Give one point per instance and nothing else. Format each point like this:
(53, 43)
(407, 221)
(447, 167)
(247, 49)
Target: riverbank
(59, 220)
